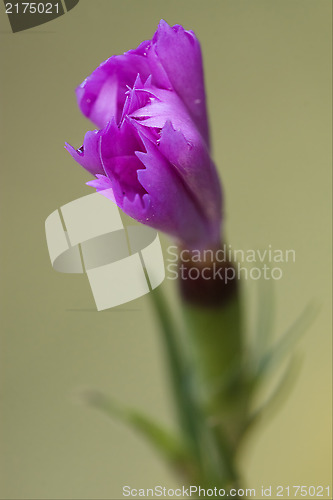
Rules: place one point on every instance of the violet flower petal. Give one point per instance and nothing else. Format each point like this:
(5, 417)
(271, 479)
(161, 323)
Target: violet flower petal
(151, 156)
(172, 58)
(183, 146)
(172, 209)
(88, 154)
(102, 95)
(180, 54)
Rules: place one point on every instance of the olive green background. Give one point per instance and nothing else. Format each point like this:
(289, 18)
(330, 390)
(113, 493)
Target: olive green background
(268, 78)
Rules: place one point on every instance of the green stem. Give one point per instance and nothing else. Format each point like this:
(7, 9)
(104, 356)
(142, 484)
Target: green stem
(178, 372)
(213, 457)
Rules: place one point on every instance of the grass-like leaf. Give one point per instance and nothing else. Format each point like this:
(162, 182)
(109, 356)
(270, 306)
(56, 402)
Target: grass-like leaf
(166, 443)
(278, 395)
(265, 318)
(274, 356)
(179, 371)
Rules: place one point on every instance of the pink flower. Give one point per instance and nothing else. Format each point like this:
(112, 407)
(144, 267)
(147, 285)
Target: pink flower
(152, 148)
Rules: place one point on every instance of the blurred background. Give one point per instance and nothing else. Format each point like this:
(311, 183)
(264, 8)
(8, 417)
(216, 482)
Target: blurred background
(268, 79)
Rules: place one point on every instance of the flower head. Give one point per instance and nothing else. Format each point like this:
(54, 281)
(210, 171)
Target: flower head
(151, 153)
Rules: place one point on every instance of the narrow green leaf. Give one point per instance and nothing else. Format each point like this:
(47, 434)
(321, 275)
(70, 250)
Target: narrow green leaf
(286, 344)
(265, 319)
(179, 371)
(279, 393)
(166, 443)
